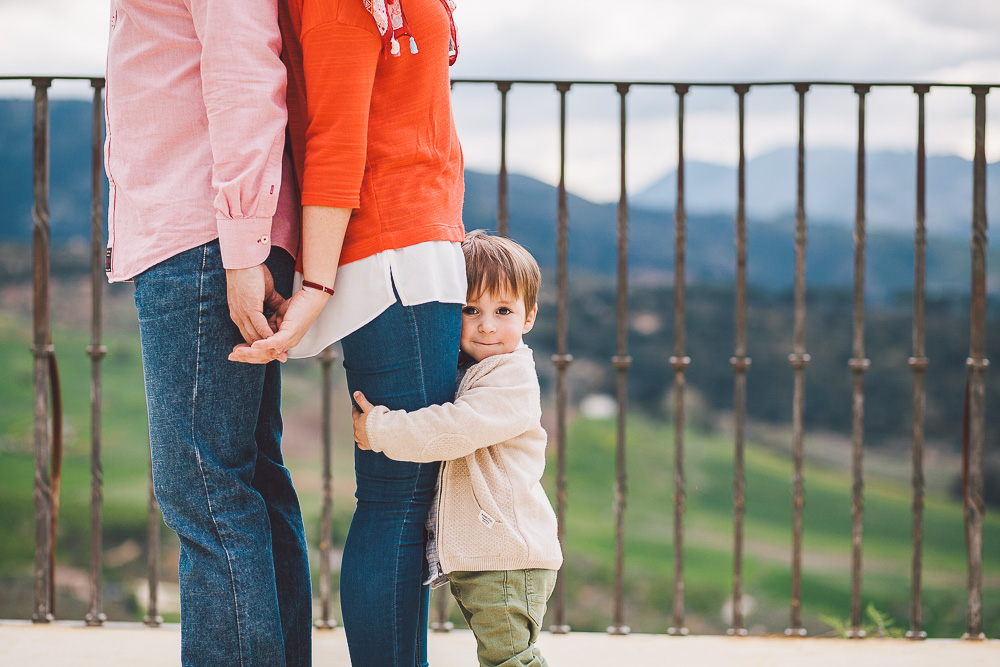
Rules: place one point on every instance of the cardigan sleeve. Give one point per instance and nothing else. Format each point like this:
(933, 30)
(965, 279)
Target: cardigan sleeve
(502, 405)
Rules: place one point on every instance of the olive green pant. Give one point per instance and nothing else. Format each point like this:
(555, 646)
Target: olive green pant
(505, 610)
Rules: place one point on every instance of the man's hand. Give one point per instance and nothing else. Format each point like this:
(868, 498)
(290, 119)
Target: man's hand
(323, 230)
(360, 435)
(293, 319)
(248, 292)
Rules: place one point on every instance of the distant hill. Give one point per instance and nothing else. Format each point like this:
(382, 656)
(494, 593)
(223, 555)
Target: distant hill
(831, 185)
(69, 196)
(710, 257)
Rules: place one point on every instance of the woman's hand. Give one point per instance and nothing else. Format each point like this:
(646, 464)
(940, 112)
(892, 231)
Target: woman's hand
(360, 434)
(293, 318)
(323, 230)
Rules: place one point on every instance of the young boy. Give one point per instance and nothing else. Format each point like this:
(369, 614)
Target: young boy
(495, 531)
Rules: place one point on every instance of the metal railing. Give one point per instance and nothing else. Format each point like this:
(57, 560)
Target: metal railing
(621, 361)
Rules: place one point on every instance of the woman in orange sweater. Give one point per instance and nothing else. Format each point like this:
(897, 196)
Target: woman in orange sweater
(379, 169)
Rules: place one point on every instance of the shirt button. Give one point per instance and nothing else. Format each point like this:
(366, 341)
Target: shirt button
(263, 239)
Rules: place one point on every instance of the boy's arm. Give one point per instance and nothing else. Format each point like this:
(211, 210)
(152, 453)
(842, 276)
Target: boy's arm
(482, 416)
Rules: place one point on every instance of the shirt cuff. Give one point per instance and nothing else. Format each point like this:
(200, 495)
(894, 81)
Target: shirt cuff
(244, 243)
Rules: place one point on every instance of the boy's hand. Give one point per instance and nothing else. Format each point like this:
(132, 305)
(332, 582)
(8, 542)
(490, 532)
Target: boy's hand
(360, 436)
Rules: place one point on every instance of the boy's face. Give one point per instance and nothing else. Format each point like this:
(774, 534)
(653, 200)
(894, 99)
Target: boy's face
(493, 324)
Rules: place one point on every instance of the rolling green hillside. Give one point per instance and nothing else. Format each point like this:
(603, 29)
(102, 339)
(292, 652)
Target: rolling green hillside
(589, 525)
(708, 560)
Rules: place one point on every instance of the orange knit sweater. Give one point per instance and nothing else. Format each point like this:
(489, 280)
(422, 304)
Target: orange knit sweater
(371, 131)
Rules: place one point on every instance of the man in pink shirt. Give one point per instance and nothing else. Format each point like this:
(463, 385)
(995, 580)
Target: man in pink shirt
(199, 220)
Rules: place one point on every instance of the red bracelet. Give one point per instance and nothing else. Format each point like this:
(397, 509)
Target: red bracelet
(317, 286)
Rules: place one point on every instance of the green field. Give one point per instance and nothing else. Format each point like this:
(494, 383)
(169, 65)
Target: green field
(708, 522)
(590, 529)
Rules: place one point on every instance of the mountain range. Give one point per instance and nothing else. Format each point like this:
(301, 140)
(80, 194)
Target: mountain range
(831, 186)
(710, 198)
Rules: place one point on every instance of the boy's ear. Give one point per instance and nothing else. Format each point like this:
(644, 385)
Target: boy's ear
(529, 320)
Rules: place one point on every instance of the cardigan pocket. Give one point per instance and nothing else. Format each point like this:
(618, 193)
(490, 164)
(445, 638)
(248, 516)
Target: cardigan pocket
(490, 486)
(474, 520)
(494, 496)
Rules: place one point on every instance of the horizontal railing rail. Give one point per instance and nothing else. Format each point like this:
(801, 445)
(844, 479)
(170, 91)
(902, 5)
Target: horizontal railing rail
(799, 358)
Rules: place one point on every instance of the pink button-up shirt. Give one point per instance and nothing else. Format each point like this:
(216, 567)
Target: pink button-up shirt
(196, 133)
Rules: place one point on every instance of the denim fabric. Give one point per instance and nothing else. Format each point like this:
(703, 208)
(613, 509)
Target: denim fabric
(405, 359)
(215, 435)
(505, 611)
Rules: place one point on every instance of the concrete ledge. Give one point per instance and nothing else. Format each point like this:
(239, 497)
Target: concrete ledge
(71, 644)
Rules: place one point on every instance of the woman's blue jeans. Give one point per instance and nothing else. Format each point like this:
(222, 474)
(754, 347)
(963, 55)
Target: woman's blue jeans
(405, 359)
(215, 435)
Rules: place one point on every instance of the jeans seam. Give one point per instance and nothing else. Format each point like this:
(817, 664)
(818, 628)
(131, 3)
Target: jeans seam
(416, 478)
(197, 451)
(420, 357)
(395, 588)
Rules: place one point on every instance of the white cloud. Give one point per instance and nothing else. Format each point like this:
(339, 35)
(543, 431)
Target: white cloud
(720, 40)
(980, 16)
(724, 39)
(641, 39)
(729, 40)
(67, 37)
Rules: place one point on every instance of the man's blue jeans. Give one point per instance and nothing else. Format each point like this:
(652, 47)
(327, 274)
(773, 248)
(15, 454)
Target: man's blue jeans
(405, 359)
(215, 435)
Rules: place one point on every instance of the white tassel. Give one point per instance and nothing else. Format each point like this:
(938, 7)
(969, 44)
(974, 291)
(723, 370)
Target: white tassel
(394, 48)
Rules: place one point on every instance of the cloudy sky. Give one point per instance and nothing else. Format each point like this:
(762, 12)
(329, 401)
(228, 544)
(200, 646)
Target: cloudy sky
(649, 40)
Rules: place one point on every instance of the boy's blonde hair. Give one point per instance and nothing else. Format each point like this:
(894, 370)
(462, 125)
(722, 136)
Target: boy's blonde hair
(495, 265)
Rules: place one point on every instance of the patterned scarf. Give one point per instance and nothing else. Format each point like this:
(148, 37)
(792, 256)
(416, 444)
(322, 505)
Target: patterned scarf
(388, 15)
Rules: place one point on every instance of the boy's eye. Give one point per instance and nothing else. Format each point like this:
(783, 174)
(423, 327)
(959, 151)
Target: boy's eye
(469, 310)
(504, 311)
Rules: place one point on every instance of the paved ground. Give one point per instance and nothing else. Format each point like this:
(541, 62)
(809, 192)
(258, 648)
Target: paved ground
(72, 645)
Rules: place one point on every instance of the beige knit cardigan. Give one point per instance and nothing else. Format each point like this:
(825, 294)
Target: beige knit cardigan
(493, 513)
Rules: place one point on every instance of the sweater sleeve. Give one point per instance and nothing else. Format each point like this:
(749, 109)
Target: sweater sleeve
(502, 405)
(340, 62)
